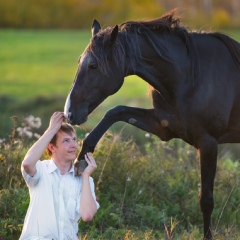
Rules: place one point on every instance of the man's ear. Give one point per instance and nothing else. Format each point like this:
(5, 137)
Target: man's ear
(51, 147)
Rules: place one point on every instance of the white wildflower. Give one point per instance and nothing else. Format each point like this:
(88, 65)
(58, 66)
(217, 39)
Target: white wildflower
(20, 131)
(128, 179)
(29, 123)
(33, 122)
(147, 135)
(29, 119)
(36, 135)
(2, 141)
(7, 146)
(28, 133)
(36, 123)
(24, 132)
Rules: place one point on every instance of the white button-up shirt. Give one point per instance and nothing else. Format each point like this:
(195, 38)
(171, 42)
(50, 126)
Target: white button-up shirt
(54, 208)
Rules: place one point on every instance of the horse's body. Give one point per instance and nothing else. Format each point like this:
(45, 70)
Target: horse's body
(195, 79)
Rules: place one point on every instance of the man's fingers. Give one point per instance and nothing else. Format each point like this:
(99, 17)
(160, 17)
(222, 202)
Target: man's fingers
(90, 160)
(56, 120)
(58, 116)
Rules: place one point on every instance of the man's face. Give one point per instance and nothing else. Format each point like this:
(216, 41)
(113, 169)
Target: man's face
(66, 147)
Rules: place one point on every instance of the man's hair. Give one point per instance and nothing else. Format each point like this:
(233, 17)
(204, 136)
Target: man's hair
(67, 128)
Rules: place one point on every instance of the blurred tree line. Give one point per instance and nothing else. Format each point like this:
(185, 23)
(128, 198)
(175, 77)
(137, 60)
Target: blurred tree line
(80, 13)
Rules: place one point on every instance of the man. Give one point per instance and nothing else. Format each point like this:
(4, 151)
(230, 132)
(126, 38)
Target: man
(57, 198)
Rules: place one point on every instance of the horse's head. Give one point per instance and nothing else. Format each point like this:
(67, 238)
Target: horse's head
(100, 74)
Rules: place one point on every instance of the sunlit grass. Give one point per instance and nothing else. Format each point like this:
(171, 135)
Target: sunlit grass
(38, 62)
(44, 63)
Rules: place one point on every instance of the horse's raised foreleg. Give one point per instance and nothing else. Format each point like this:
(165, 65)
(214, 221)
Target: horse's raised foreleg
(208, 160)
(144, 119)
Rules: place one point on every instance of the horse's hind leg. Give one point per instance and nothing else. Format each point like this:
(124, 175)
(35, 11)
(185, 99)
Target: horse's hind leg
(207, 147)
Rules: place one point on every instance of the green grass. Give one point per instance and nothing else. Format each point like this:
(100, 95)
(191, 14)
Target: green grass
(38, 68)
(142, 196)
(41, 64)
(44, 63)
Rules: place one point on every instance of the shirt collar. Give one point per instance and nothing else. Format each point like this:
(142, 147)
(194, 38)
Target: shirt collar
(52, 167)
(72, 169)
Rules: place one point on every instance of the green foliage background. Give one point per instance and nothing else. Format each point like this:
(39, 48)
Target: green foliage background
(37, 71)
(142, 196)
(79, 13)
(71, 13)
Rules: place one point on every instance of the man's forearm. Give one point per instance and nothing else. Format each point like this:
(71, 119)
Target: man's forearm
(88, 206)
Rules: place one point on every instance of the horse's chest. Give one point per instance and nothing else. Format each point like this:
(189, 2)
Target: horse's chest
(175, 125)
(181, 128)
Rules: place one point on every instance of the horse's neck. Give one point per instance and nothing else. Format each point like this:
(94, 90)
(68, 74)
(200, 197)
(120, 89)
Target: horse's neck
(158, 75)
(158, 85)
(162, 64)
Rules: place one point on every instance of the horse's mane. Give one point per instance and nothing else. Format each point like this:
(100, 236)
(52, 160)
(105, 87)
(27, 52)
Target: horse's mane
(232, 45)
(166, 22)
(126, 46)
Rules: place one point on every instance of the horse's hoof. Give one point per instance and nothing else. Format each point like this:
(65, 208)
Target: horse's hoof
(79, 166)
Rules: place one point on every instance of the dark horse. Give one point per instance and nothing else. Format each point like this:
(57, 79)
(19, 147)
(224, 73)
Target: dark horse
(195, 79)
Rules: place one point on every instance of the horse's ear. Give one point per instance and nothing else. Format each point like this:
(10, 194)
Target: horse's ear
(95, 27)
(110, 39)
(114, 34)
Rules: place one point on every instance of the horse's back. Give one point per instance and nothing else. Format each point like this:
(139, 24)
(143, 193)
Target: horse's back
(210, 104)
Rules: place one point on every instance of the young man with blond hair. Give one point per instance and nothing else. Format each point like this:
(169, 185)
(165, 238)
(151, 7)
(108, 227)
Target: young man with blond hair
(58, 199)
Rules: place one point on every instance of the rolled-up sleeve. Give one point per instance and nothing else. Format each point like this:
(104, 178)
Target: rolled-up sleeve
(32, 181)
(93, 191)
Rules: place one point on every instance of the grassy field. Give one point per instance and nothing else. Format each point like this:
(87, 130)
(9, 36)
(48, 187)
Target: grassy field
(43, 63)
(37, 71)
(40, 62)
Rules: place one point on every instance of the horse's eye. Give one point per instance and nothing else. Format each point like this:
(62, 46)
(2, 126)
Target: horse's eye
(93, 66)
